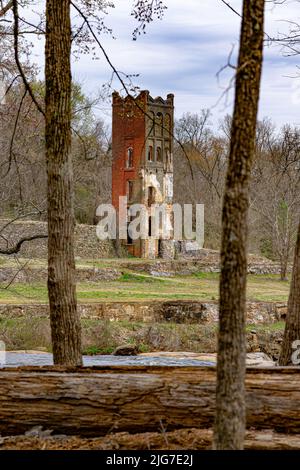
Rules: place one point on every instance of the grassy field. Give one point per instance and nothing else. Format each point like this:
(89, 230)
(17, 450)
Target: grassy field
(142, 287)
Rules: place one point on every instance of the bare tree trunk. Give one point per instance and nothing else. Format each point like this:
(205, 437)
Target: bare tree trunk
(65, 321)
(292, 327)
(283, 268)
(230, 404)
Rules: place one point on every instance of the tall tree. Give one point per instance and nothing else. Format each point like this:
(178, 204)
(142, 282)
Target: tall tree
(230, 394)
(275, 192)
(64, 317)
(292, 327)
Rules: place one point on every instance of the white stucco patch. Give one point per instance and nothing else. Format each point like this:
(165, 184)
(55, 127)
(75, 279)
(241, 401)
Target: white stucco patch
(169, 185)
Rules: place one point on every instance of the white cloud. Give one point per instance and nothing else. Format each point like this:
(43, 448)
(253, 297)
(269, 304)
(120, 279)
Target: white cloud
(183, 53)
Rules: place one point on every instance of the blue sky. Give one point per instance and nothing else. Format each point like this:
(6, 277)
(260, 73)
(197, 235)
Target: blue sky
(182, 54)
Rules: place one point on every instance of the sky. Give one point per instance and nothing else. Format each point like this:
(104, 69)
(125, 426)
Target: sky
(183, 53)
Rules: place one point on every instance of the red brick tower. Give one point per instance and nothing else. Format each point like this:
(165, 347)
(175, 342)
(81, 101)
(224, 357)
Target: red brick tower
(142, 169)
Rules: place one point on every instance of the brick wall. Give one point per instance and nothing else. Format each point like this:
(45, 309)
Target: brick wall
(128, 131)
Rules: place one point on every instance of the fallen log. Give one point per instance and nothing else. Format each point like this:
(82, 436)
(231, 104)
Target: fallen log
(95, 401)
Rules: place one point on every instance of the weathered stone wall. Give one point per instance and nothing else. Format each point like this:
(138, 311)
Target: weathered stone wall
(158, 268)
(87, 245)
(167, 249)
(207, 261)
(178, 311)
(28, 275)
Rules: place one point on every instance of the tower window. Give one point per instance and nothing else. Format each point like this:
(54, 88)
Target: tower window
(168, 155)
(159, 124)
(129, 239)
(151, 196)
(129, 190)
(150, 153)
(129, 159)
(150, 227)
(167, 127)
(158, 154)
(151, 123)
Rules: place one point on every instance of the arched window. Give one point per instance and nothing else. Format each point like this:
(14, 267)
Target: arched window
(129, 190)
(159, 124)
(168, 153)
(158, 154)
(151, 196)
(167, 126)
(129, 239)
(150, 227)
(151, 123)
(129, 159)
(150, 153)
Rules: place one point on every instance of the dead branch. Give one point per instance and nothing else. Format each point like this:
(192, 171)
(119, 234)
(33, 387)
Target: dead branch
(15, 249)
(6, 8)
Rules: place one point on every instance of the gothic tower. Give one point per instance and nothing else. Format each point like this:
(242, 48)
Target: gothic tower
(142, 166)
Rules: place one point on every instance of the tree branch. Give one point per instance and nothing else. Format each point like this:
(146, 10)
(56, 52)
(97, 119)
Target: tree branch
(15, 249)
(231, 8)
(6, 8)
(14, 133)
(118, 75)
(18, 63)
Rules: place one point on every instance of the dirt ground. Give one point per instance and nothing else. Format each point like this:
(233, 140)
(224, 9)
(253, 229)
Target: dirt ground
(183, 439)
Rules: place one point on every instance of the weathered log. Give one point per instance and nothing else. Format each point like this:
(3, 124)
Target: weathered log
(95, 401)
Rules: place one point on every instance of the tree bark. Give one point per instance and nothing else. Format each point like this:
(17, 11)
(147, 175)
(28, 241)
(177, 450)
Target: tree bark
(64, 318)
(6, 8)
(284, 267)
(95, 401)
(292, 326)
(230, 416)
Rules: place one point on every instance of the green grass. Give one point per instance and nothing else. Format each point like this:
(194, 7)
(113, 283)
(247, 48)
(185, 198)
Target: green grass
(143, 287)
(24, 293)
(278, 326)
(206, 276)
(94, 350)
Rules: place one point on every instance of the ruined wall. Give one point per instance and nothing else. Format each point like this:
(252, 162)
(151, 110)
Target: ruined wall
(167, 249)
(87, 245)
(128, 131)
(179, 311)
